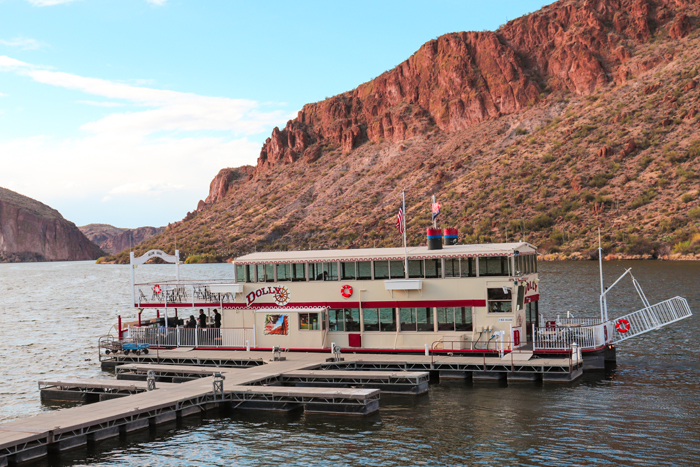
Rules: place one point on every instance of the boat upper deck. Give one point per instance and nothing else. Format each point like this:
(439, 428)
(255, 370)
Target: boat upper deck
(392, 254)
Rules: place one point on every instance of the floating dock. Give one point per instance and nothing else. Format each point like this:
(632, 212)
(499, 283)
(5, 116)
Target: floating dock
(350, 385)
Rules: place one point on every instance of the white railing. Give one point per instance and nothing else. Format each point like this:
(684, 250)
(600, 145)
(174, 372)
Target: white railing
(561, 333)
(649, 319)
(192, 337)
(561, 337)
(178, 293)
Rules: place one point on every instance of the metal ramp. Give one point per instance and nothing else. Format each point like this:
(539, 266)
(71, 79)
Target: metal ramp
(648, 319)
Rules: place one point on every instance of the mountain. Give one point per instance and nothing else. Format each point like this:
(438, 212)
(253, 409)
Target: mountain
(114, 239)
(32, 231)
(581, 115)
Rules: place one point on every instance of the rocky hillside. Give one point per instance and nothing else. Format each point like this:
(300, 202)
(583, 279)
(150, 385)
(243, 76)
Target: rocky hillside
(32, 231)
(114, 239)
(580, 115)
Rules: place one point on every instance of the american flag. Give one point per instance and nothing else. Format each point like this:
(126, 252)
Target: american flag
(399, 219)
(436, 209)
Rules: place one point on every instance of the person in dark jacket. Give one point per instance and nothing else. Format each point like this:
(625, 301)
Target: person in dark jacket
(202, 319)
(217, 318)
(192, 323)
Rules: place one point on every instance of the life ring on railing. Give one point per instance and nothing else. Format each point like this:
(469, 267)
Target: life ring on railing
(605, 332)
(346, 291)
(622, 325)
(156, 289)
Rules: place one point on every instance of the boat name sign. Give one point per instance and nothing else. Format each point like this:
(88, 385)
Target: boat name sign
(280, 295)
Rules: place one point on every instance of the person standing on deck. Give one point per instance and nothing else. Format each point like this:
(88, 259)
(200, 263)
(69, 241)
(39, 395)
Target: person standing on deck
(217, 318)
(202, 319)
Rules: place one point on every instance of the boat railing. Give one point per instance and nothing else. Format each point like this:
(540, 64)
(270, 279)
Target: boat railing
(560, 336)
(649, 319)
(179, 293)
(193, 337)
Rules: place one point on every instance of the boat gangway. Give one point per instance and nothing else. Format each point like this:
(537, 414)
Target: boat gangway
(559, 333)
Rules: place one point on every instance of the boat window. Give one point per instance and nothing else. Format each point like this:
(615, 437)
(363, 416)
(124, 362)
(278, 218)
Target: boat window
(330, 271)
(352, 319)
(463, 318)
(433, 268)
(371, 319)
(348, 270)
(298, 272)
(381, 270)
(534, 263)
(468, 267)
(493, 266)
(407, 317)
(387, 320)
(396, 269)
(415, 268)
(309, 321)
(524, 266)
(424, 318)
(242, 273)
(336, 320)
(265, 272)
(284, 272)
(315, 271)
(446, 318)
(323, 271)
(452, 267)
(500, 300)
(364, 270)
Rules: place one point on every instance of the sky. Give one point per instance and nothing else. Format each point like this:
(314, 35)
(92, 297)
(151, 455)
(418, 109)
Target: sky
(122, 111)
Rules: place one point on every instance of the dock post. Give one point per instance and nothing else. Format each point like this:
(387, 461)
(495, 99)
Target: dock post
(151, 379)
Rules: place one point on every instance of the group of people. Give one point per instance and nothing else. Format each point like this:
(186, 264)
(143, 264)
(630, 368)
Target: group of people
(202, 320)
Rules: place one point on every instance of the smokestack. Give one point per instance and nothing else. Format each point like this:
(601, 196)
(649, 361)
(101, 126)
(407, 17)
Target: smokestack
(451, 236)
(434, 239)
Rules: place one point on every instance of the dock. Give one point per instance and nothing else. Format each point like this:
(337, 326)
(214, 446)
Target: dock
(313, 382)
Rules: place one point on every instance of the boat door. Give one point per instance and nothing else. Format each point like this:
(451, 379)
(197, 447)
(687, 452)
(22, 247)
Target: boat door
(532, 313)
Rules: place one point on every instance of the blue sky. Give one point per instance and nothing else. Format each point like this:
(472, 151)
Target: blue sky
(122, 111)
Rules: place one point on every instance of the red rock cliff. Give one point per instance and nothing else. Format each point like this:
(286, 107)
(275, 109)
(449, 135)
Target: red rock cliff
(32, 231)
(461, 79)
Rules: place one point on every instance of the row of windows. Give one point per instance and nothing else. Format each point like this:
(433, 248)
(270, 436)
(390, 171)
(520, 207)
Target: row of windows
(380, 270)
(384, 319)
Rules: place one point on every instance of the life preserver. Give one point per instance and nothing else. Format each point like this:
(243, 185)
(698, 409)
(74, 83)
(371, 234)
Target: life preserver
(622, 325)
(346, 291)
(156, 289)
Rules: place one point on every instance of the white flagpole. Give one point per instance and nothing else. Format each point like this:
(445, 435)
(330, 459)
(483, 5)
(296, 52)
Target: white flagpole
(405, 250)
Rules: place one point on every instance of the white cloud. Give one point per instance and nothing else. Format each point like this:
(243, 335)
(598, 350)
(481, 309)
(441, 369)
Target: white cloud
(150, 165)
(23, 43)
(11, 63)
(2, 95)
(157, 2)
(49, 2)
(102, 104)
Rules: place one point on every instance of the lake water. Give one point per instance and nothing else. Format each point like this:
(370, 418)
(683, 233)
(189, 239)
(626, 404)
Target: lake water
(644, 412)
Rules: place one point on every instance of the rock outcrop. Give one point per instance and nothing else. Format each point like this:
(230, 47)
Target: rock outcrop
(461, 79)
(32, 231)
(114, 239)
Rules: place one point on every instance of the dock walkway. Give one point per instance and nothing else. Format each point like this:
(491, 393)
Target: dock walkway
(251, 381)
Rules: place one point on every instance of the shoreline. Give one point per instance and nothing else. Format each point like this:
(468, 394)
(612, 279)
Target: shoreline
(576, 256)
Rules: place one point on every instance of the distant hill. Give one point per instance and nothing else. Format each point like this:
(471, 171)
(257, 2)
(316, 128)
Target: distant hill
(114, 239)
(33, 231)
(581, 115)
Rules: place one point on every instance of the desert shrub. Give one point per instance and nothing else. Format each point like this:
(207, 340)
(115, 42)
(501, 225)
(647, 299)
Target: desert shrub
(694, 213)
(557, 237)
(638, 245)
(541, 221)
(687, 198)
(644, 198)
(694, 149)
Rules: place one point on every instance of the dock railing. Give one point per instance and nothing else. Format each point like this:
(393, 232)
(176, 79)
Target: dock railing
(192, 337)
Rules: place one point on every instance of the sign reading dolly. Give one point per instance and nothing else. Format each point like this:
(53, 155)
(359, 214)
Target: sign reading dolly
(280, 295)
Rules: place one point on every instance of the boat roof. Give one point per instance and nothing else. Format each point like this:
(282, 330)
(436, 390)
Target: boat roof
(370, 254)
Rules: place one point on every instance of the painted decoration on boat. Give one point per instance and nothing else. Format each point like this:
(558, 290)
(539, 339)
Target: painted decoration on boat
(280, 294)
(276, 325)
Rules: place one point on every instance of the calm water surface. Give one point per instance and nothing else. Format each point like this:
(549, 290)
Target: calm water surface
(645, 412)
